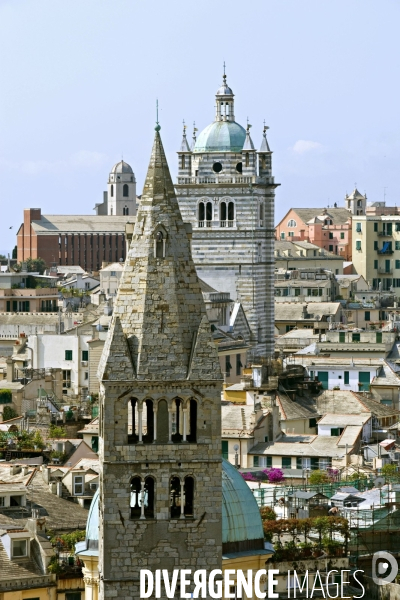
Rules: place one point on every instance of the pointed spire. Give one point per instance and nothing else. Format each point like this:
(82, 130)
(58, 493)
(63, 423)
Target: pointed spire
(264, 144)
(248, 144)
(184, 144)
(159, 302)
(194, 136)
(117, 365)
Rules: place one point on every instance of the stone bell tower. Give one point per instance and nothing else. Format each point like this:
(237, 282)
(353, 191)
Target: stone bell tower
(226, 190)
(160, 425)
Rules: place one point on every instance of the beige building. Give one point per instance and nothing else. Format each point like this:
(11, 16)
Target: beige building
(303, 255)
(376, 250)
(245, 426)
(315, 316)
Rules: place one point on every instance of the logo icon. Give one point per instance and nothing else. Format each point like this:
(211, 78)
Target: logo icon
(384, 568)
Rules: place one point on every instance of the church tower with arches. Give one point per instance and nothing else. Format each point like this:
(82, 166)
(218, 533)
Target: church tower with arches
(160, 494)
(226, 190)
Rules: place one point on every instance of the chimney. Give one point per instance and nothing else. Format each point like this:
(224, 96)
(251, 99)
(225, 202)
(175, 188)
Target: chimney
(10, 370)
(45, 473)
(15, 469)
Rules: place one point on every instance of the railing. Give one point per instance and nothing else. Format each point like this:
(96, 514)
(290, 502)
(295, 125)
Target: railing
(385, 233)
(210, 223)
(220, 179)
(384, 271)
(386, 251)
(295, 342)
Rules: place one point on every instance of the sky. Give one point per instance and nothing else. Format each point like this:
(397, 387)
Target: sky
(80, 79)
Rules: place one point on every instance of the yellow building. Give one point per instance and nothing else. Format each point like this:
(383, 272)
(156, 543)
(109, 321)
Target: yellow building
(376, 250)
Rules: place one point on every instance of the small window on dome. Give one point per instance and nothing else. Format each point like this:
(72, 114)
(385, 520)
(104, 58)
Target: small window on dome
(217, 167)
(239, 168)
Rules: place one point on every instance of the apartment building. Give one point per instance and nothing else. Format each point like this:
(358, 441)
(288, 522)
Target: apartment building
(303, 255)
(304, 285)
(376, 250)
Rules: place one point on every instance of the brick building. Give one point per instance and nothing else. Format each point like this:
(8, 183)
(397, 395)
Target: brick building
(84, 240)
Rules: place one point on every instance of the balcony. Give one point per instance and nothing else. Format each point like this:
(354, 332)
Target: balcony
(386, 249)
(385, 233)
(204, 223)
(383, 271)
(226, 223)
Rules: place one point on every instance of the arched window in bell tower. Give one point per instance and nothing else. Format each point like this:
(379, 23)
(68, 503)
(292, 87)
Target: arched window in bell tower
(189, 496)
(142, 498)
(209, 213)
(222, 213)
(125, 190)
(112, 191)
(247, 159)
(182, 161)
(159, 244)
(202, 214)
(175, 498)
(231, 213)
(192, 433)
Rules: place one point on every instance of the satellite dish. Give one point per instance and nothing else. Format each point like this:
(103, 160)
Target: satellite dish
(379, 481)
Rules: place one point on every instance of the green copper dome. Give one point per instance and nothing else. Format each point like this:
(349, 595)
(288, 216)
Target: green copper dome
(221, 136)
(241, 519)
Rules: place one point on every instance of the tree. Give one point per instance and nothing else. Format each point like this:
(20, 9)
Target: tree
(15, 253)
(317, 477)
(389, 470)
(33, 265)
(9, 413)
(56, 432)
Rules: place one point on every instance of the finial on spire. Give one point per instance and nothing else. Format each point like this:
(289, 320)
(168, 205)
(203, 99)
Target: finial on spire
(248, 124)
(224, 77)
(158, 126)
(184, 127)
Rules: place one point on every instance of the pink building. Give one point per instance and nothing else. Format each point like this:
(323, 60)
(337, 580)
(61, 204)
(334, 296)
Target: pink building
(328, 228)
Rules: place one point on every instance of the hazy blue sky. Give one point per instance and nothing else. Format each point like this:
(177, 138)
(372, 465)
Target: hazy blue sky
(79, 79)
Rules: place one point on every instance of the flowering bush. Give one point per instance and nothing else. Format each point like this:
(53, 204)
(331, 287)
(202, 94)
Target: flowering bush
(333, 474)
(249, 477)
(274, 475)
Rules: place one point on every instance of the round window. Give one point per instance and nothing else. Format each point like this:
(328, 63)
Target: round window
(217, 167)
(239, 167)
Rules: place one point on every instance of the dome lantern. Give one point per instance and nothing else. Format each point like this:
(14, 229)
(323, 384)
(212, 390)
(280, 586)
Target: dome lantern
(224, 103)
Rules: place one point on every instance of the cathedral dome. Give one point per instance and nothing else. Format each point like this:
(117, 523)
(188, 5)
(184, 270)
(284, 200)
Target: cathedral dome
(122, 167)
(221, 136)
(241, 519)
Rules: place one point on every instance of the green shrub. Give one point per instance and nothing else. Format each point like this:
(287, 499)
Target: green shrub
(9, 413)
(56, 432)
(317, 477)
(5, 396)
